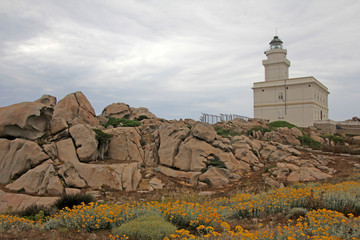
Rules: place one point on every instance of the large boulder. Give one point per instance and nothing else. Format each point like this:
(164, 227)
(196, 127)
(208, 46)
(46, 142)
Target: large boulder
(192, 153)
(117, 110)
(18, 156)
(171, 136)
(76, 108)
(304, 174)
(71, 177)
(28, 120)
(284, 135)
(17, 202)
(66, 151)
(215, 177)
(125, 144)
(85, 142)
(47, 100)
(170, 172)
(141, 111)
(204, 131)
(39, 181)
(124, 176)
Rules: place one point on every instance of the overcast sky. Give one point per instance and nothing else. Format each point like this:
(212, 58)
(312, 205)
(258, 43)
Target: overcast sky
(177, 58)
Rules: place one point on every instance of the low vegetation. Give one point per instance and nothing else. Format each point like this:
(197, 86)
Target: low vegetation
(309, 211)
(214, 161)
(147, 227)
(225, 132)
(101, 137)
(71, 200)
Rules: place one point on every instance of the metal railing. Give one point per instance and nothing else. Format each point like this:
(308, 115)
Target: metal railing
(212, 119)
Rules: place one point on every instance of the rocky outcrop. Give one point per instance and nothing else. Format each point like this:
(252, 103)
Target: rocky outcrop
(17, 157)
(47, 100)
(116, 110)
(116, 176)
(204, 132)
(171, 136)
(75, 108)
(52, 149)
(41, 180)
(284, 135)
(17, 202)
(215, 176)
(125, 145)
(29, 120)
(85, 142)
(66, 151)
(122, 110)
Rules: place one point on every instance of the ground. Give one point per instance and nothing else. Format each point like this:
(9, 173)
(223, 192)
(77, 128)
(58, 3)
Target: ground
(178, 190)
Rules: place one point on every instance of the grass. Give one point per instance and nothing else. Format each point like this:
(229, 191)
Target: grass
(277, 124)
(225, 132)
(308, 141)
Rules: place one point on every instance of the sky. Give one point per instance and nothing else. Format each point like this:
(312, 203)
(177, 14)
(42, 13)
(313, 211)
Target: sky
(177, 58)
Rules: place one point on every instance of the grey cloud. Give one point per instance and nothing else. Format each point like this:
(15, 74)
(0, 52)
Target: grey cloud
(177, 58)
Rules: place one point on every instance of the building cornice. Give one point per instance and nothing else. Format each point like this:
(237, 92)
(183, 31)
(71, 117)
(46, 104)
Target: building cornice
(290, 81)
(290, 103)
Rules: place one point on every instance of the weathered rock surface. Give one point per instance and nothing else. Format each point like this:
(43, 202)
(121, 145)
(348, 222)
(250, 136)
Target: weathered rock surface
(71, 177)
(117, 110)
(47, 100)
(156, 183)
(171, 136)
(215, 176)
(58, 125)
(41, 180)
(141, 111)
(177, 174)
(204, 131)
(18, 156)
(85, 142)
(18, 202)
(76, 108)
(66, 151)
(28, 120)
(284, 135)
(125, 144)
(116, 176)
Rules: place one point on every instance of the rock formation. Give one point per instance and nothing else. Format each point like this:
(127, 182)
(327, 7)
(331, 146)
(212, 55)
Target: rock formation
(48, 149)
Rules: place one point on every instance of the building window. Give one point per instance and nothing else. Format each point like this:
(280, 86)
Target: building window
(280, 96)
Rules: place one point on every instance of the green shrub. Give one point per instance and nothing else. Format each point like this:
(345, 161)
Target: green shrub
(277, 124)
(141, 117)
(295, 213)
(72, 200)
(214, 162)
(334, 138)
(308, 141)
(123, 121)
(256, 129)
(148, 227)
(102, 137)
(35, 212)
(225, 132)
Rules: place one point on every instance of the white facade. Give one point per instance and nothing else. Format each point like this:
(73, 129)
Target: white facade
(300, 101)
